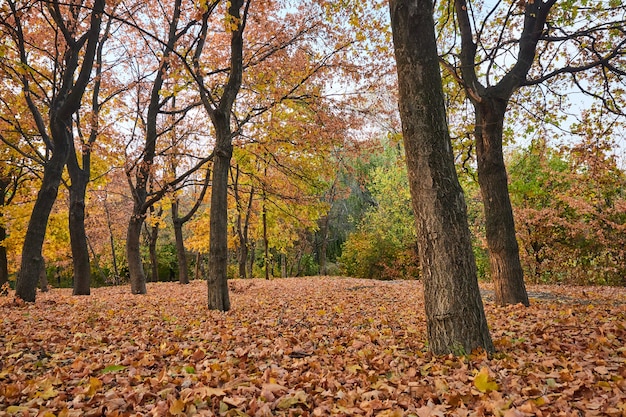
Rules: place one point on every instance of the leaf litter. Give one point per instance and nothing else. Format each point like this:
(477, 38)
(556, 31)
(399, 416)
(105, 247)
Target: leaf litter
(306, 347)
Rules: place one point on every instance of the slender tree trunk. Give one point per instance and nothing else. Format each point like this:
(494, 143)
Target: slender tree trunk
(116, 271)
(217, 279)
(324, 244)
(133, 255)
(242, 259)
(181, 255)
(4, 264)
(243, 227)
(251, 257)
(283, 265)
(153, 236)
(198, 258)
(266, 241)
(455, 318)
(506, 268)
(78, 234)
(32, 260)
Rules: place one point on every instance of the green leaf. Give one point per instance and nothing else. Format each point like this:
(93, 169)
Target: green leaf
(113, 368)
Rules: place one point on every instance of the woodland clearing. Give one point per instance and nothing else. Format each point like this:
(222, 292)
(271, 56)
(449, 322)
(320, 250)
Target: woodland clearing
(310, 347)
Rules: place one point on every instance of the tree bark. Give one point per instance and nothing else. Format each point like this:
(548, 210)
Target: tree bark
(153, 236)
(490, 104)
(506, 268)
(218, 297)
(116, 271)
(178, 222)
(43, 278)
(181, 255)
(32, 259)
(217, 293)
(456, 321)
(133, 255)
(4, 264)
(78, 234)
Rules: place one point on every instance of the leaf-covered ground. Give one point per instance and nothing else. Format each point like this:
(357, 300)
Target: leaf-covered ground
(310, 347)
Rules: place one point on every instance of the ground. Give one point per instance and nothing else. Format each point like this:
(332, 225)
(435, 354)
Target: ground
(307, 346)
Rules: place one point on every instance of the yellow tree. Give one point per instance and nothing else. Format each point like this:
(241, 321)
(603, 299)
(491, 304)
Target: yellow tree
(68, 35)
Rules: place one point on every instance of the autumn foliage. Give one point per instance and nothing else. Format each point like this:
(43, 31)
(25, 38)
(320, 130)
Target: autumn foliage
(310, 346)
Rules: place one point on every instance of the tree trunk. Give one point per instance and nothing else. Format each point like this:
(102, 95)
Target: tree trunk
(116, 271)
(78, 235)
(63, 106)
(218, 298)
(152, 234)
(43, 278)
(324, 245)
(242, 259)
(32, 260)
(506, 268)
(133, 255)
(456, 321)
(243, 227)
(181, 255)
(198, 259)
(251, 258)
(4, 264)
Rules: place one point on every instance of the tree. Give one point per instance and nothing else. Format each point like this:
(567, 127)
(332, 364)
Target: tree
(80, 175)
(569, 204)
(454, 311)
(159, 75)
(12, 176)
(383, 245)
(527, 44)
(178, 221)
(74, 57)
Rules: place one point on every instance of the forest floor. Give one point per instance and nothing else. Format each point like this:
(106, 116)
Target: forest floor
(308, 347)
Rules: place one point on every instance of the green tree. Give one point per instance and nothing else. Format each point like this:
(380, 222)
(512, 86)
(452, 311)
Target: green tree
(383, 244)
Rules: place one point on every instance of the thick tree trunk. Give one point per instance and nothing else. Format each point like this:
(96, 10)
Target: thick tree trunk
(32, 260)
(133, 255)
(506, 268)
(454, 311)
(78, 234)
(218, 298)
(43, 278)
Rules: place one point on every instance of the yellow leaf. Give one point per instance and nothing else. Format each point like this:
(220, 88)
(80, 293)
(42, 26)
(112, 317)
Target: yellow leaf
(177, 407)
(94, 385)
(483, 382)
(14, 409)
